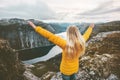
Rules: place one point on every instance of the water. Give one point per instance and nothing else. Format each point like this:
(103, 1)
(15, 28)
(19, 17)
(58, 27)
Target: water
(55, 50)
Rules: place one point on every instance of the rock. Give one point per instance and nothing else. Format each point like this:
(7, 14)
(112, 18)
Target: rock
(103, 55)
(10, 66)
(94, 67)
(106, 27)
(29, 66)
(57, 76)
(101, 61)
(20, 35)
(30, 76)
(47, 76)
(112, 77)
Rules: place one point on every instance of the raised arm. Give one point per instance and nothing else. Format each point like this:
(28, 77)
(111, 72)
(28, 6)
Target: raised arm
(50, 36)
(88, 32)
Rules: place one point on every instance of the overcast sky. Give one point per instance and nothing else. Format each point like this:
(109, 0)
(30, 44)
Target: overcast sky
(64, 10)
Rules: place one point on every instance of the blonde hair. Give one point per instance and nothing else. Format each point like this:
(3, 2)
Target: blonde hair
(75, 43)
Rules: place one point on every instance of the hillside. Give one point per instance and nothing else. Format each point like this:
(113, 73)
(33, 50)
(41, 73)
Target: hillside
(101, 61)
(20, 35)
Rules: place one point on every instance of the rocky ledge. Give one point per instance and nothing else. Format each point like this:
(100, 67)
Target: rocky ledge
(11, 67)
(101, 61)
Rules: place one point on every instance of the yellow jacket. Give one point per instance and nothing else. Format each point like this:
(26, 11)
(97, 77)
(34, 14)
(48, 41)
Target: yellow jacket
(67, 66)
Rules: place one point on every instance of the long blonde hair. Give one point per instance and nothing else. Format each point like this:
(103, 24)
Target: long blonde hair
(75, 43)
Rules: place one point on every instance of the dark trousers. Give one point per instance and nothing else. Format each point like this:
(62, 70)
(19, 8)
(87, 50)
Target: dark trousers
(70, 77)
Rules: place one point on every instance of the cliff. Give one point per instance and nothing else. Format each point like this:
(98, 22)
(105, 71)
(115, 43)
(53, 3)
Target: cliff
(25, 40)
(105, 27)
(11, 67)
(20, 35)
(101, 61)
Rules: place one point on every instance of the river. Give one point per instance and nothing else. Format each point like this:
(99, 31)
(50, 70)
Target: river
(52, 51)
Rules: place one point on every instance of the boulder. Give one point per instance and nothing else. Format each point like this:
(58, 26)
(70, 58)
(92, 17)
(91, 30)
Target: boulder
(10, 66)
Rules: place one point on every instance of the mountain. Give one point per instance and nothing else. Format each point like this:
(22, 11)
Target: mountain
(25, 40)
(105, 27)
(20, 35)
(61, 27)
(101, 61)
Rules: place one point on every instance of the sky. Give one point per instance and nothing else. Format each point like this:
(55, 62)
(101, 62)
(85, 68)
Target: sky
(62, 10)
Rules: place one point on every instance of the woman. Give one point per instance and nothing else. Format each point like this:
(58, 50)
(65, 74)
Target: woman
(73, 48)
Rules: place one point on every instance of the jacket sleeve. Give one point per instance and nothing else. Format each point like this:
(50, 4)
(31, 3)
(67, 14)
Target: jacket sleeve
(51, 37)
(87, 33)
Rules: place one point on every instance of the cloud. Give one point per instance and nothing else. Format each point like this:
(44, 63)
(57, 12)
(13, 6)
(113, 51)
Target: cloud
(104, 8)
(68, 10)
(36, 10)
(105, 11)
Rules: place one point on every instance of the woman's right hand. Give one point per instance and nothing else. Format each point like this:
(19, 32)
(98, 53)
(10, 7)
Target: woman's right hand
(92, 25)
(32, 24)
